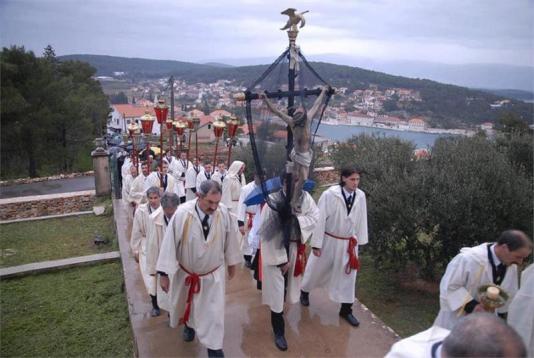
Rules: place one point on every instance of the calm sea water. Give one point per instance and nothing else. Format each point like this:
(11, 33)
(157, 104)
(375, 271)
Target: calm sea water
(343, 132)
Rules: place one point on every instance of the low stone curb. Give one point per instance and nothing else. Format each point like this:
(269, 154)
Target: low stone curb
(37, 180)
(46, 217)
(45, 266)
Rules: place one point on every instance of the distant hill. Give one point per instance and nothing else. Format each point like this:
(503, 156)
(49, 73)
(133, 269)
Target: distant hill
(511, 93)
(444, 105)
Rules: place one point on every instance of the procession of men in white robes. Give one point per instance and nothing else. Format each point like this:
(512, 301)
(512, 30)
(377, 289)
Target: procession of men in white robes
(192, 263)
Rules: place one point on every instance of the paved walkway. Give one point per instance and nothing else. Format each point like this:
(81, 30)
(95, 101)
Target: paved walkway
(48, 187)
(44, 266)
(316, 331)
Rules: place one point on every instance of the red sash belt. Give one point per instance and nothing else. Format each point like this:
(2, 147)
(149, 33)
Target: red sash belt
(250, 218)
(354, 263)
(300, 263)
(193, 281)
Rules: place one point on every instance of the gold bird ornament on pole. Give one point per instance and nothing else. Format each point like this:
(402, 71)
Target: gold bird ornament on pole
(294, 19)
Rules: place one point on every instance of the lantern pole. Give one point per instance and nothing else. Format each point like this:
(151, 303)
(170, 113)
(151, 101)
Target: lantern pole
(233, 123)
(218, 129)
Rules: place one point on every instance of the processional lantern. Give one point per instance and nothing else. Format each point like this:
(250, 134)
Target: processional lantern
(179, 128)
(232, 125)
(147, 122)
(161, 110)
(218, 130)
(133, 132)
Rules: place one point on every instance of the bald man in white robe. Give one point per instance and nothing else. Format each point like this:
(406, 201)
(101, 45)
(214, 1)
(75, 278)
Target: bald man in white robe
(138, 244)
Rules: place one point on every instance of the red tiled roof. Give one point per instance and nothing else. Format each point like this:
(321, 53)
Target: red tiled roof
(132, 110)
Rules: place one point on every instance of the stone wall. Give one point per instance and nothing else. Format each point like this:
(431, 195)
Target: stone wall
(44, 205)
(40, 179)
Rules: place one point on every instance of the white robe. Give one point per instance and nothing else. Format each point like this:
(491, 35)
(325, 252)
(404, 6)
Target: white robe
(154, 180)
(467, 271)
(138, 244)
(246, 214)
(218, 177)
(180, 171)
(139, 187)
(125, 169)
(418, 345)
(155, 233)
(202, 177)
(175, 171)
(273, 254)
(328, 270)
(127, 199)
(521, 310)
(184, 244)
(191, 181)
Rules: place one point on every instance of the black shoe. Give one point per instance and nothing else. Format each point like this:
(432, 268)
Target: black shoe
(248, 265)
(189, 334)
(304, 298)
(280, 342)
(215, 353)
(155, 312)
(353, 321)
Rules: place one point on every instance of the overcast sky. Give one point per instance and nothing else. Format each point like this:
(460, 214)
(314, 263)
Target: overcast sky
(447, 31)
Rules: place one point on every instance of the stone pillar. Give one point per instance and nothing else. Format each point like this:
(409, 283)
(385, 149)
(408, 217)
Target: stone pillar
(101, 168)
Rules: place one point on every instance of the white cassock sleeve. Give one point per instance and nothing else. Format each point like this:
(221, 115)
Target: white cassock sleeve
(324, 211)
(453, 292)
(308, 218)
(167, 260)
(190, 178)
(137, 191)
(152, 247)
(271, 252)
(521, 310)
(232, 252)
(138, 231)
(360, 230)
(241, 207)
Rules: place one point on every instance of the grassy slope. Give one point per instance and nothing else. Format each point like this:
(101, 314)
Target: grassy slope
(50, 239)
(76, 312)
(407, 311)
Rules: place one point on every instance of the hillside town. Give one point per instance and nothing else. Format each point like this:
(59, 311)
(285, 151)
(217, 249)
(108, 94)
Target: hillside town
(365, 108)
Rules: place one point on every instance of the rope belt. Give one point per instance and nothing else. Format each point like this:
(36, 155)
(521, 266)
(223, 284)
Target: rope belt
(300, 263)
(250, 218)
(354, 263)
(193, 281)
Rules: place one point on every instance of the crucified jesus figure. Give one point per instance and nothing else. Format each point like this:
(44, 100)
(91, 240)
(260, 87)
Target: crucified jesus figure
(301, 155)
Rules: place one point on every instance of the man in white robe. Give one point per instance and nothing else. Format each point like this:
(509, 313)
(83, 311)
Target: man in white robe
(200, 243)
(205, 174)
(157, 225)
(128, 201)
(141, 184)
(282, 260)
(341, 229)
(138, 243)
(165, 185)
(245, 220)
(231, 189)
(478, 335)
(220, 173)
(521, 310)
(488, 263)
(191, 179)
(179, 169)
(173, 170)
